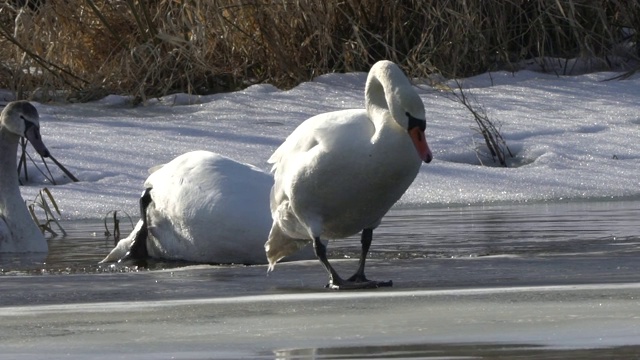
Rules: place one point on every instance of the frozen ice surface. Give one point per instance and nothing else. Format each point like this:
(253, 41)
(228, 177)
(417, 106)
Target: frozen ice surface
(261, 317)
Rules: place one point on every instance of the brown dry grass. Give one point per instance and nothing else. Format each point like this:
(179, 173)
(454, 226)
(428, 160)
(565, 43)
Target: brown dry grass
(89, 48)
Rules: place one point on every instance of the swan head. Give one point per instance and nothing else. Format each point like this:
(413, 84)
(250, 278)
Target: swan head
(22, 119)
(388, 89)
(416, 128)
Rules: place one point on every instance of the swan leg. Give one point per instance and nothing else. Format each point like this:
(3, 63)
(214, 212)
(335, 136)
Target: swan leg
(321, 253)
(335, 281)
(138, 250)
(359, 276)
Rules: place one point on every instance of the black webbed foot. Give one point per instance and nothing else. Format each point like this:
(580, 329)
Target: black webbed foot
(358, 280)
(354, 283)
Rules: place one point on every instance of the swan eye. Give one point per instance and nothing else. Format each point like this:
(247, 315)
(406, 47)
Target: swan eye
(415, 122)
(27, 124)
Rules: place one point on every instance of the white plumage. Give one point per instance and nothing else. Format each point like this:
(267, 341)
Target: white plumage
(205, 208)
(18, 232)
(339, 173)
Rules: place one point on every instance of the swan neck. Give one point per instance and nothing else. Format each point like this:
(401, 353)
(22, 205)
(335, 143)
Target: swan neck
(376, 99)
(25, 235)
(8, 163)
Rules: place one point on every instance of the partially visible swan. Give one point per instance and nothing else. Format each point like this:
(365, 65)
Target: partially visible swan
(339, 173)
(18, 231)
(202, 207)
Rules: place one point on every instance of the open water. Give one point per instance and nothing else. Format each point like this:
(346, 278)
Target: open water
(526, 230)
(519, 281)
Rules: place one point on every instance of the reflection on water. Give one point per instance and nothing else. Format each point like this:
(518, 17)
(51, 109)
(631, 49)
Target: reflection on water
(546, 229)
(456, 351)
(79, 251)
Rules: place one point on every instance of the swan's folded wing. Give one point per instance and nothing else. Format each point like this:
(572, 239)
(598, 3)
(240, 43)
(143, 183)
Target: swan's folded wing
(286, 158)
(307, 142)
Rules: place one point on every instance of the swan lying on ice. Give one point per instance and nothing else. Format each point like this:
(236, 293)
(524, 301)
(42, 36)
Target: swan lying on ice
(202, 207)
(339, 173)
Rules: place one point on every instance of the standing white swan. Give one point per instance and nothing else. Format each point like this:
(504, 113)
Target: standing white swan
(18, 232)
(339, 173)
(201, 207)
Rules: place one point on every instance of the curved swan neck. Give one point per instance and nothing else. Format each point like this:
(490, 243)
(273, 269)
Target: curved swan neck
(375, 93)
(386, 84)
(19, 231)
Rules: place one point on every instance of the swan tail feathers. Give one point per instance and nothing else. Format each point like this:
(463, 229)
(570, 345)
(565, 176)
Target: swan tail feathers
(123, 246)
(280, 245)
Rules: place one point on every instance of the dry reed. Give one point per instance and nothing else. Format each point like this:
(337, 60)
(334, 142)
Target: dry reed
(85, 49)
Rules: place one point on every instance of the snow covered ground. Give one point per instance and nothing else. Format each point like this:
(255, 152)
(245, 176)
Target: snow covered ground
(573, 137)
